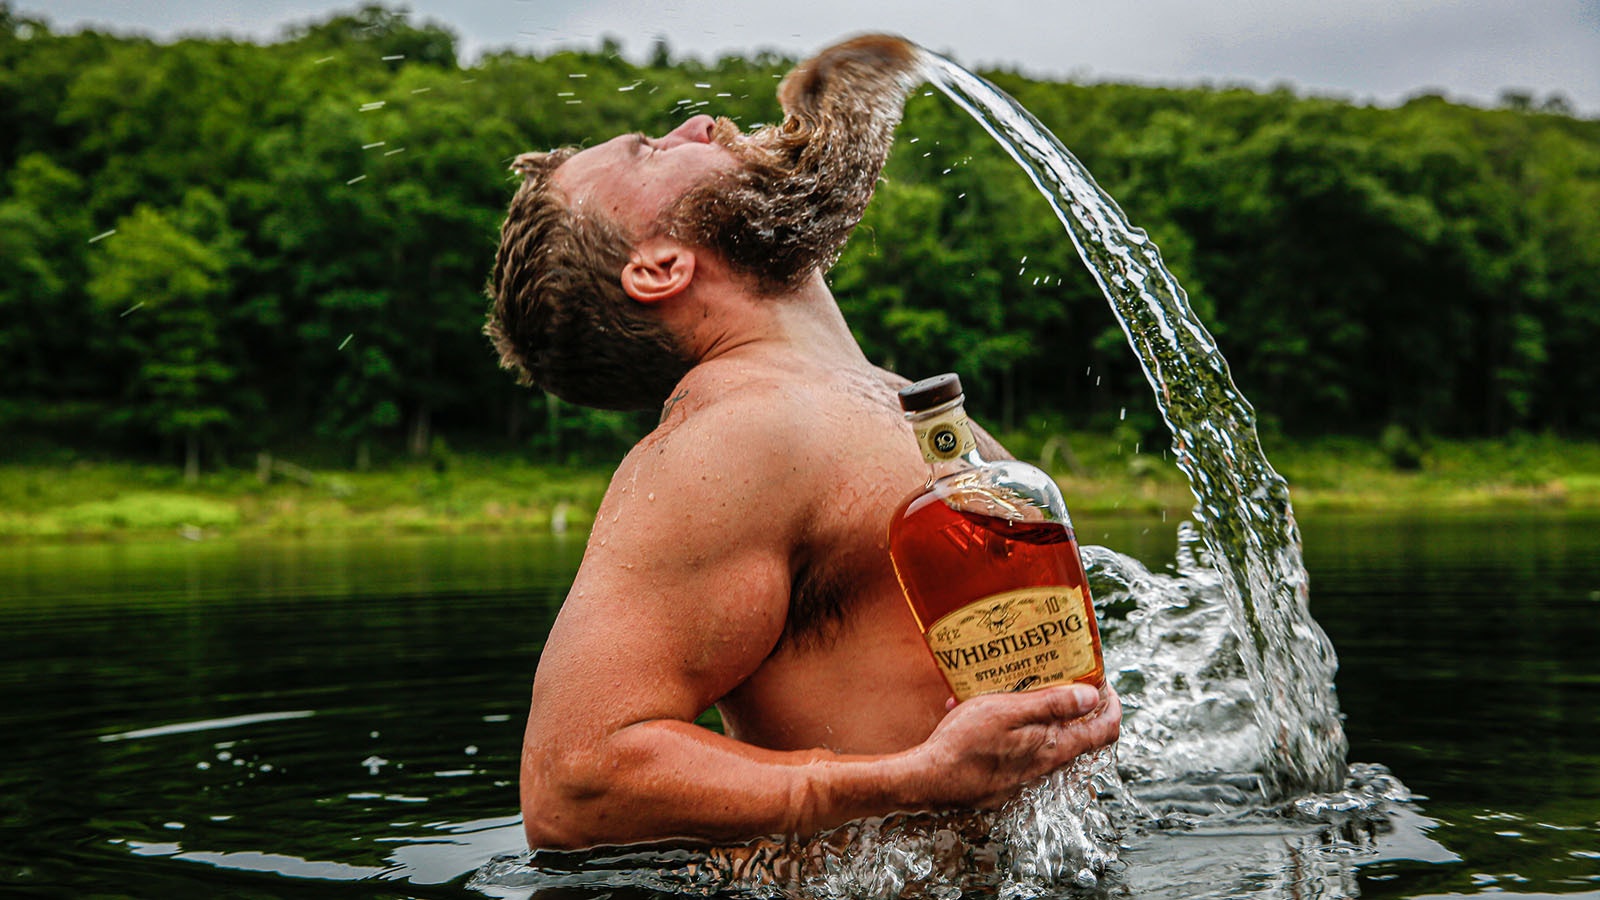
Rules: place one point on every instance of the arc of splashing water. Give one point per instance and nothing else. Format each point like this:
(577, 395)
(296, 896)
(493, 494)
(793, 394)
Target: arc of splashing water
(1242, 505)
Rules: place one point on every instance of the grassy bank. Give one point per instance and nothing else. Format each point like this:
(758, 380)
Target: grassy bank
(1100, 475)
(1349, 475)
(109, 500)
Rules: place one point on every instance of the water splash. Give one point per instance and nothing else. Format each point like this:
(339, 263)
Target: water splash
(1242, 505)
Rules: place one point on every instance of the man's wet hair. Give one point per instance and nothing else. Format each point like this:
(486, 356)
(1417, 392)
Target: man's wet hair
(559, 317)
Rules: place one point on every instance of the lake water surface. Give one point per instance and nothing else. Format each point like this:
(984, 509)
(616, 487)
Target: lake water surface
(341, 718)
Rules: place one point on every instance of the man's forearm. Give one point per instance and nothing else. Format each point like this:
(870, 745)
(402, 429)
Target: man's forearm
(670, 779)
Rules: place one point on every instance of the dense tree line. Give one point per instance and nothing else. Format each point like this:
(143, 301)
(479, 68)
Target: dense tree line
(210, 247)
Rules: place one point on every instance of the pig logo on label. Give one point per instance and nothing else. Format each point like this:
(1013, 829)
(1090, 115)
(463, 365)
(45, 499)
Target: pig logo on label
(999, 617)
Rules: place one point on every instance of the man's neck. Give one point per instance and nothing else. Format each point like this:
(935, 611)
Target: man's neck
(734, 324)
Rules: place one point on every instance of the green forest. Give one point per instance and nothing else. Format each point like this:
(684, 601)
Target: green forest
(211, 249)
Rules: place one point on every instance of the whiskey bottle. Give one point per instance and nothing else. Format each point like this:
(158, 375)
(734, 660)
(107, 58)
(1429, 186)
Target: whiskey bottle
(986, 556)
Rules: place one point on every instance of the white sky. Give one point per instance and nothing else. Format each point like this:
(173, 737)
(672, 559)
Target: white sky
(1364, 50)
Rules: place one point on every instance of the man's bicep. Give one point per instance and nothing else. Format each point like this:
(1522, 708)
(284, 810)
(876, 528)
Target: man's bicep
(663, 647)
(680, 597)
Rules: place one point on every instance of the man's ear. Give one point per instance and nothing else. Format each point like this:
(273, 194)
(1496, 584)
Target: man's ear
(658, 269)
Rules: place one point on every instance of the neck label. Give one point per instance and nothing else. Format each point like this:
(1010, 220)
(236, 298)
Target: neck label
(945, 436)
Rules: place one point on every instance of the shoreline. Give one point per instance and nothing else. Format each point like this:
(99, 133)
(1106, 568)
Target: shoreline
(75, 502)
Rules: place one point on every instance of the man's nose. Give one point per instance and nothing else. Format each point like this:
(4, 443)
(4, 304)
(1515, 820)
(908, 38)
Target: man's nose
(696, 130)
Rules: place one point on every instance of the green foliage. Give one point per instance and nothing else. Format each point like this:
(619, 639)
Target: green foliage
(165, 278)
(227, 247)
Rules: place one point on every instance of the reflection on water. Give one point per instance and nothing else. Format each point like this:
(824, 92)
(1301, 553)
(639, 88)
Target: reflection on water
(287, 707)
(413, 658)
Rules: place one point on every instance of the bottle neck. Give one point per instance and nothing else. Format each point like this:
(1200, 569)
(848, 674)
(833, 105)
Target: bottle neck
(944, 434)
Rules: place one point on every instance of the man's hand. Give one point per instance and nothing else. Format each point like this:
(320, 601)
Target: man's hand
(989, 745)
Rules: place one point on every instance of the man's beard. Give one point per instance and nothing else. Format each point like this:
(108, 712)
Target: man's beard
(802, 186)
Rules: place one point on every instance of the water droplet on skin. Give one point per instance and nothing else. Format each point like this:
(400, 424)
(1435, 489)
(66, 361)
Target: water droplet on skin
(651, 496)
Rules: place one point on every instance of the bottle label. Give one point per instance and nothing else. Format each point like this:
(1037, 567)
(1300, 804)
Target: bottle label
(1015, 641)
(946, 436)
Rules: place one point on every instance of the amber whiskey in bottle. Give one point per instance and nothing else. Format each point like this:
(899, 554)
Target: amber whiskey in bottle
(986, 556)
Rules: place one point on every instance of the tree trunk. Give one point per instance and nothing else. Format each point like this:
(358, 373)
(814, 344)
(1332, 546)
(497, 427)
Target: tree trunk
(421, 431)
(1008, 399)
(516, 412)
(191, 458)
(552, 421)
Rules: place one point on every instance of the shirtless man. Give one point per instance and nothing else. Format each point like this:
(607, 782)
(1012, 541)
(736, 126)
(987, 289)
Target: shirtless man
(739, 557)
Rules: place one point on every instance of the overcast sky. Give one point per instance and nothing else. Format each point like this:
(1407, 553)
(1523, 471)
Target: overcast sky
(1365, 50)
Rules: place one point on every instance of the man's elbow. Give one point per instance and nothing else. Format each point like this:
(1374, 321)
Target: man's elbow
(563, 802)
(548, 830)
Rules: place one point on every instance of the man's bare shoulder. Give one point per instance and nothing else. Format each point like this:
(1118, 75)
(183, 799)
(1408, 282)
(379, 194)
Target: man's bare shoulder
(719, 431)
(772, 421)
(756, 405)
